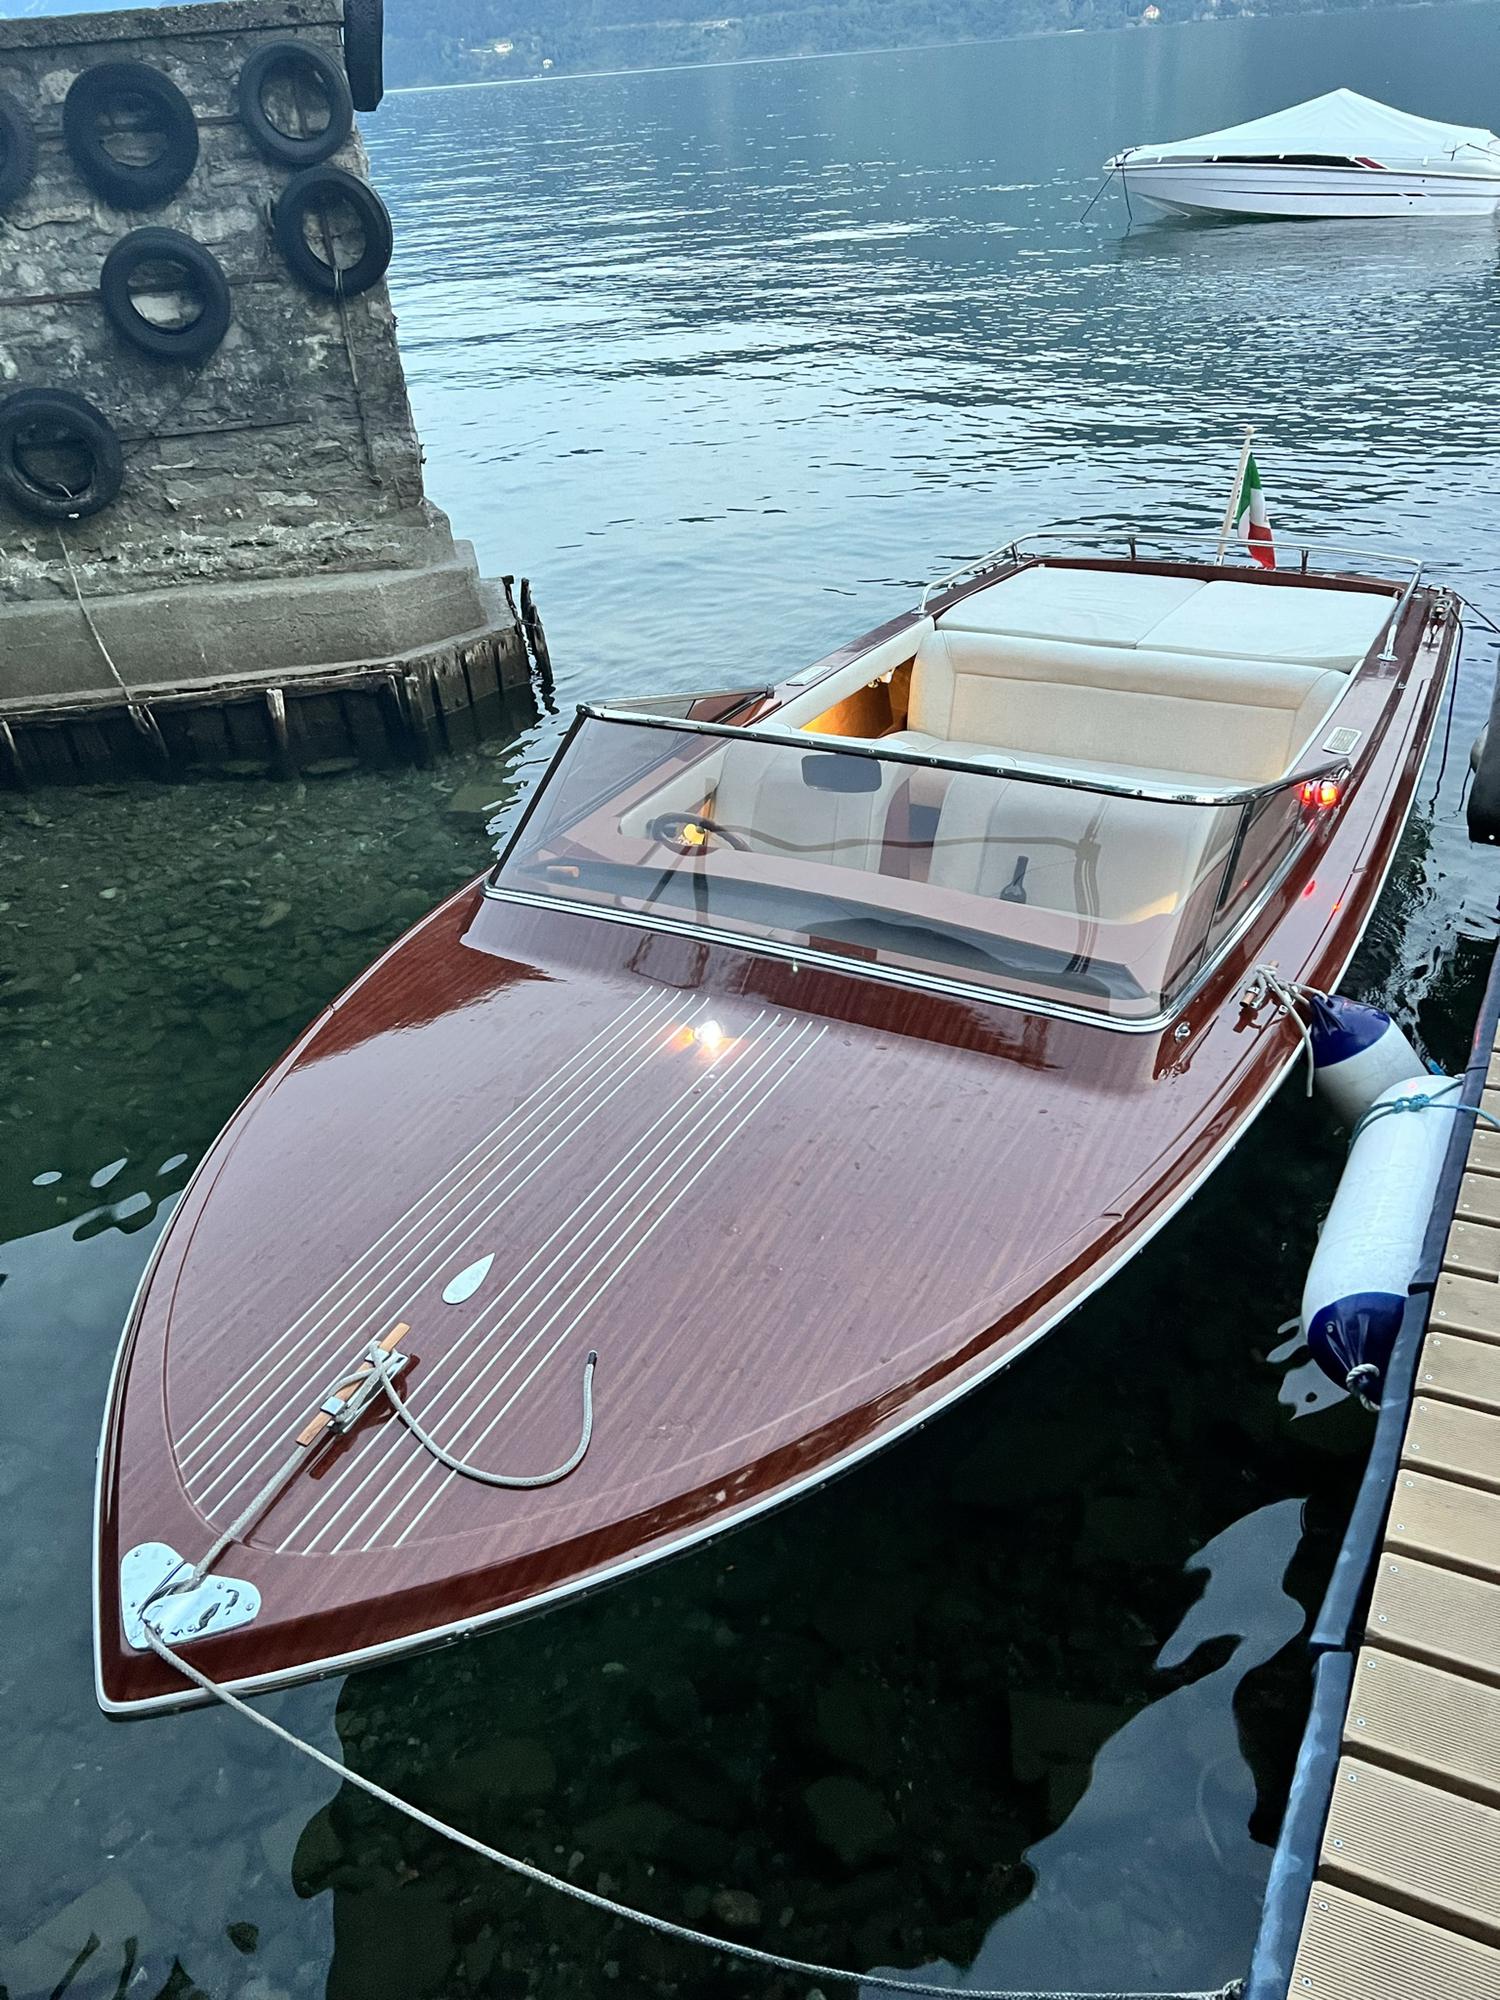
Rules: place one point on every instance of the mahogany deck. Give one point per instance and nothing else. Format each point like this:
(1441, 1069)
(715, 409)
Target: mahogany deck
(786, 1249)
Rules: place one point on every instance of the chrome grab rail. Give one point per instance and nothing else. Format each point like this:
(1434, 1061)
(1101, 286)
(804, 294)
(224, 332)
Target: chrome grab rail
(1132, 538)
(799, 739)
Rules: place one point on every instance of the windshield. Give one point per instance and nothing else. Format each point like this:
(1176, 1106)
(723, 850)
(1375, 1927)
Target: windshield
(985, 876)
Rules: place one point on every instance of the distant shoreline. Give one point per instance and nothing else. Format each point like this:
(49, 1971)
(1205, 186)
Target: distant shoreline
(807, 56)
(1204, 20)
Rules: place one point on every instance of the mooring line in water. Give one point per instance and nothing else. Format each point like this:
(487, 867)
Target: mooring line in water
(662, 1926)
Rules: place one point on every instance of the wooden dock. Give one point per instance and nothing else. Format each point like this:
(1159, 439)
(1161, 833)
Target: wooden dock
(1405, 1900)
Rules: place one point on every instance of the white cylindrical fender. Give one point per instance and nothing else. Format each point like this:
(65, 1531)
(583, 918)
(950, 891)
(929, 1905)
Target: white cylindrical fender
(1358, 1052)
(1368, 1252)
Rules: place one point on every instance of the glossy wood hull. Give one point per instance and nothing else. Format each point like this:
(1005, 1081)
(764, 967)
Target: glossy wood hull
(788, 1241)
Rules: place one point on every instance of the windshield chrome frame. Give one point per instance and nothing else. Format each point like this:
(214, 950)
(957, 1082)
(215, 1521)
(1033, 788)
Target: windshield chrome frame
(871, 747)
(819, 958)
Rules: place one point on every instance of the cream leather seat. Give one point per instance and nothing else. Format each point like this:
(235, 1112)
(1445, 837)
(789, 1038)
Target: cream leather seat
(1114, 709)
(765, 801)
(1080, 853)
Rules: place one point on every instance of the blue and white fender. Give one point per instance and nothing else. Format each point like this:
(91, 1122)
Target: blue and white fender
(1357, 1052)
(1371, 1243)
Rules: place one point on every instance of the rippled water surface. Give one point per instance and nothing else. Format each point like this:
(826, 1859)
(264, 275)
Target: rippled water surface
(728, 362)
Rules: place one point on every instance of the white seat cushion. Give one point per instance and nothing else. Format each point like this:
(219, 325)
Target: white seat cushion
(1097, 607)
(1266, 621)
(1080, 853)
(1110, 708)
(765, 801)
(942, 746)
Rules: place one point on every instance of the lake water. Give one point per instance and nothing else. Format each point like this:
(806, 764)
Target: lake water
(728, 362)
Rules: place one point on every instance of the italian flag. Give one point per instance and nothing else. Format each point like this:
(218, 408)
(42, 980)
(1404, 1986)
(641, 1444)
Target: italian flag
(1250, 522)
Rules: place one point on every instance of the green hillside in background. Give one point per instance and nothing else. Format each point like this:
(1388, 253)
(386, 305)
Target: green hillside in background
(474, 41)
(449, 41)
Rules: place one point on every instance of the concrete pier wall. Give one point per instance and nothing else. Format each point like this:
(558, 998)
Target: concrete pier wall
(272, 527)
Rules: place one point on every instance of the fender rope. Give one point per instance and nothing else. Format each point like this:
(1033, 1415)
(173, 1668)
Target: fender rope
(140, 716)
(1424, 1100)
(1266, 983)
(662, 1926)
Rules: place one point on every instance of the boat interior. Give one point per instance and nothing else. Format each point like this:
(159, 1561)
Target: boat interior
(1092, 708)
(1124, 675)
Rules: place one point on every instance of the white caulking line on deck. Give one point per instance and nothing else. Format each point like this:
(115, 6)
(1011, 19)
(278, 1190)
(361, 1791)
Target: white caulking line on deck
(526, 1109)
(754, 1109)
(304, 1377)
(685, 1106)
(305, 1366)
(309, 1364)
(553, 1099)
(655, 1156)
(603, 1257)
(685, 1169)
(669, 1159)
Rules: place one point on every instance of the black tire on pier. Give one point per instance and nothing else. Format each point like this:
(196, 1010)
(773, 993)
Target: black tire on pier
(305, 67)
(103, 93)
(321, 192)
(17, 150)
(364, 51)
(35, 421)
(201, 275)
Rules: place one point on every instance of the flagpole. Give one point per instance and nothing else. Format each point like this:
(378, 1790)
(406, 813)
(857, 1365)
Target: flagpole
(1227, 529)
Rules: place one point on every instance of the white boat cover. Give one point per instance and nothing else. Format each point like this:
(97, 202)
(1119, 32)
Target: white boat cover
(1343, 125)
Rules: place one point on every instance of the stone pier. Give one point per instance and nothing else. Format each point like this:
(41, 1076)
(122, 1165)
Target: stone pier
(271, 579)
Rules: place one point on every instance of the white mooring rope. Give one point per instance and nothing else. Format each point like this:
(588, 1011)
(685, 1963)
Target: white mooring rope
(662, 1926)
(347, 1401)
(1266, 983)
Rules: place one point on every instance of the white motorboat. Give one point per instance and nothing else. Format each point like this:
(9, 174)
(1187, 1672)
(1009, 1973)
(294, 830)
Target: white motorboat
(1340, 156)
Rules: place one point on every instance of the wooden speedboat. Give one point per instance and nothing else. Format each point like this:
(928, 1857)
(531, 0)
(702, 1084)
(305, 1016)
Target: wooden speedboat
(1338, 156)
(810, 1052)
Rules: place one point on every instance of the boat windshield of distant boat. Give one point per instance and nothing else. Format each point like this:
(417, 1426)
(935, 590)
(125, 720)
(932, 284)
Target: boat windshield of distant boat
(1340, 155)
(813, 1048)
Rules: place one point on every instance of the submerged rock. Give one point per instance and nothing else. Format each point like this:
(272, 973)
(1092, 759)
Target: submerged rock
(850, 1818)
(736, 1909)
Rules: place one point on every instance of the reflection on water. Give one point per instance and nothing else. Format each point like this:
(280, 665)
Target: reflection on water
(727, 362)
(1160, 1857)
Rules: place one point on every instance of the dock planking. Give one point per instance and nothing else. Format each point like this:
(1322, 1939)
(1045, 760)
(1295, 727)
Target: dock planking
(1406, 1900)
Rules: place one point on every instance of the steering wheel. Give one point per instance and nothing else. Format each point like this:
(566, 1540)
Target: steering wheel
(672, 830)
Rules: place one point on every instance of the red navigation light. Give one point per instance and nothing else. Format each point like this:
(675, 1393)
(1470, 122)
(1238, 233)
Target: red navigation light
(1323, 794)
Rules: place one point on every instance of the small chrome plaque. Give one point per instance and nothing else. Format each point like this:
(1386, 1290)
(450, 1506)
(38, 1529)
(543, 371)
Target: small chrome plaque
(1342, 741)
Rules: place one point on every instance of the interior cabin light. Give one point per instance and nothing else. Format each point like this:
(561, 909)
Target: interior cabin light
(1322, 794)
(709, 1037)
